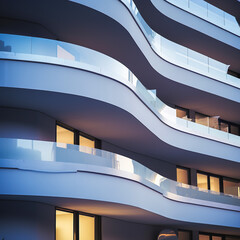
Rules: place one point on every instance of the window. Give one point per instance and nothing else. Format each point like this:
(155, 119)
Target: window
(231, 187)
(202, 119)
(183, 175)
(234, 129)
(204, 237)
(202, 181)
(182, 113)
(223, 126)
(70, 224)
(86, 227)
(208, 182)
(67, 135)
(63, 135)
(83, 141)
(184, 235)
(64, 225)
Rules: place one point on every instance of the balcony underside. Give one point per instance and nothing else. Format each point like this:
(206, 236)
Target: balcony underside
(115, 33)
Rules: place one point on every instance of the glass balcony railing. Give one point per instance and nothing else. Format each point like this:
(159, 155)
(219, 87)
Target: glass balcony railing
(66, 54)
(182, 56)
(209, 13)
(30, 151)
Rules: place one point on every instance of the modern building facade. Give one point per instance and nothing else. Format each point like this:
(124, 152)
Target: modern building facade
(119, 120)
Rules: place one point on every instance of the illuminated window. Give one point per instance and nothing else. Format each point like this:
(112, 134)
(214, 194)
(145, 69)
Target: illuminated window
(64, 135)
(202, 181)
(70, 224)
(234, 129)
(182, 113)
(86, 227)
(231, 187)
(215, 184)
(64, 225)
(204, 237)
(216, 238)
(183, 175)
(202, 119)
(83, 141)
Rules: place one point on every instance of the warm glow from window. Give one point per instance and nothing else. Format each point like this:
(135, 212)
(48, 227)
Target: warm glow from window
(86, 227)
(216, 238)
(64, 135)
(202, 119)
(182, 175)
(231, 187)
(64, 225)
(214, 184)
(204, 237)
(83, 141)
(202, 182)
(184, 235)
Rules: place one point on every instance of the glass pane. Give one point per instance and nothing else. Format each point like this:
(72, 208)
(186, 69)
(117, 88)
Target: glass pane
(86, 227)
(202, 181)
(223, 126)
(83, 141)
(204, 237)
(232, 238)
(64, 225)
(64, 135)
(184, 235)
(214, 184)
(234, 129)
(216, 238)
(202, 119)
(213, 122)
(231, 187)
(182, 175)
(182, 113)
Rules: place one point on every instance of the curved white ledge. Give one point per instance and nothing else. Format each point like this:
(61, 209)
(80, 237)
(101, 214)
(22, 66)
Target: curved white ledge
(22, 160)
(175, 53)
(56, 52)
(67, 89)
(209, 13)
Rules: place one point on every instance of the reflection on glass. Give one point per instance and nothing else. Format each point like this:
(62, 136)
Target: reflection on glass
(204, 237)
(184, 235)
(64, 225)
(214, 184)
(63, 53)
(202, 181)
(182, 175)
(231, 187)
(64, 135)
(202, 119)
(86, 228)
(83, 141)
(167, 234)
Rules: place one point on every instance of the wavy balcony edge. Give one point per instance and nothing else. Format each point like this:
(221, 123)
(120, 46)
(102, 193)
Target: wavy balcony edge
(60, 53)
(177, 54)
(52, 157)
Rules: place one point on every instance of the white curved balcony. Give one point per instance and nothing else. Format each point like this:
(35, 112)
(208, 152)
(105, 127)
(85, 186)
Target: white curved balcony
(55, 52)
(179, 55)
(209, 13)
(35, 159)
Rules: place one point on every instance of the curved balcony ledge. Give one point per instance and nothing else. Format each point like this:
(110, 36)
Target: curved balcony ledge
(134, 115)
(77, 172)
(191, 30)
(122, 33)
